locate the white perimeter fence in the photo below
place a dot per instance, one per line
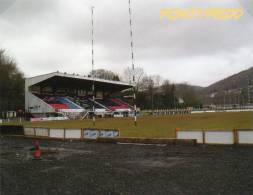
(238, 136)
(63, 133)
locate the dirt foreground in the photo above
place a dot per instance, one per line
(74, 167)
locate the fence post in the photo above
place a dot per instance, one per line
(236, 137)
(203, 137)
(176, 130)
(82, 134)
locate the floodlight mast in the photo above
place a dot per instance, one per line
(132, 58)
(92, 68)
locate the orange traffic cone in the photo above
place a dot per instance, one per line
(37, 152)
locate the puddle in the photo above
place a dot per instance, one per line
(169, 162)
(52, 169)
(59, 153)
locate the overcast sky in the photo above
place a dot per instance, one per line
(48, 35)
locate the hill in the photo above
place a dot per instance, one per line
(236, 81)
(235, 89)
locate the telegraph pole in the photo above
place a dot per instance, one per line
(132, 58)
(92, 68)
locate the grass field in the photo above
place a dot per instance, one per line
(151, 126)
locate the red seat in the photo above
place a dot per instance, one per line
(121, 104)
(59, 106)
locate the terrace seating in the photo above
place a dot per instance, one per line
(60, 102)
(75, 103)
(121, 103)
(114, 104)
(54, 102)
(70, 104)
(85, 102)
(59, 106)
(107, 102)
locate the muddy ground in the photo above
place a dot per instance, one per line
(98, 168)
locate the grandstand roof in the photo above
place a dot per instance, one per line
(58, 79)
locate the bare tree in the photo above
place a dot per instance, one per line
(146, 83)
(138, 74)
(105, 74)
(157, 79)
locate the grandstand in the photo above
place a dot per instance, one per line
(70, 95)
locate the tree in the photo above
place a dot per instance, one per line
(244, 96)
(146, 86)
(137, 73)
(157, 79)
(145, 83)
(105, 74)
(168, 93)
(189, 95)
(11, 84)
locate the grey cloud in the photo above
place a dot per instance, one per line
(46, 35)
(5, 5)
